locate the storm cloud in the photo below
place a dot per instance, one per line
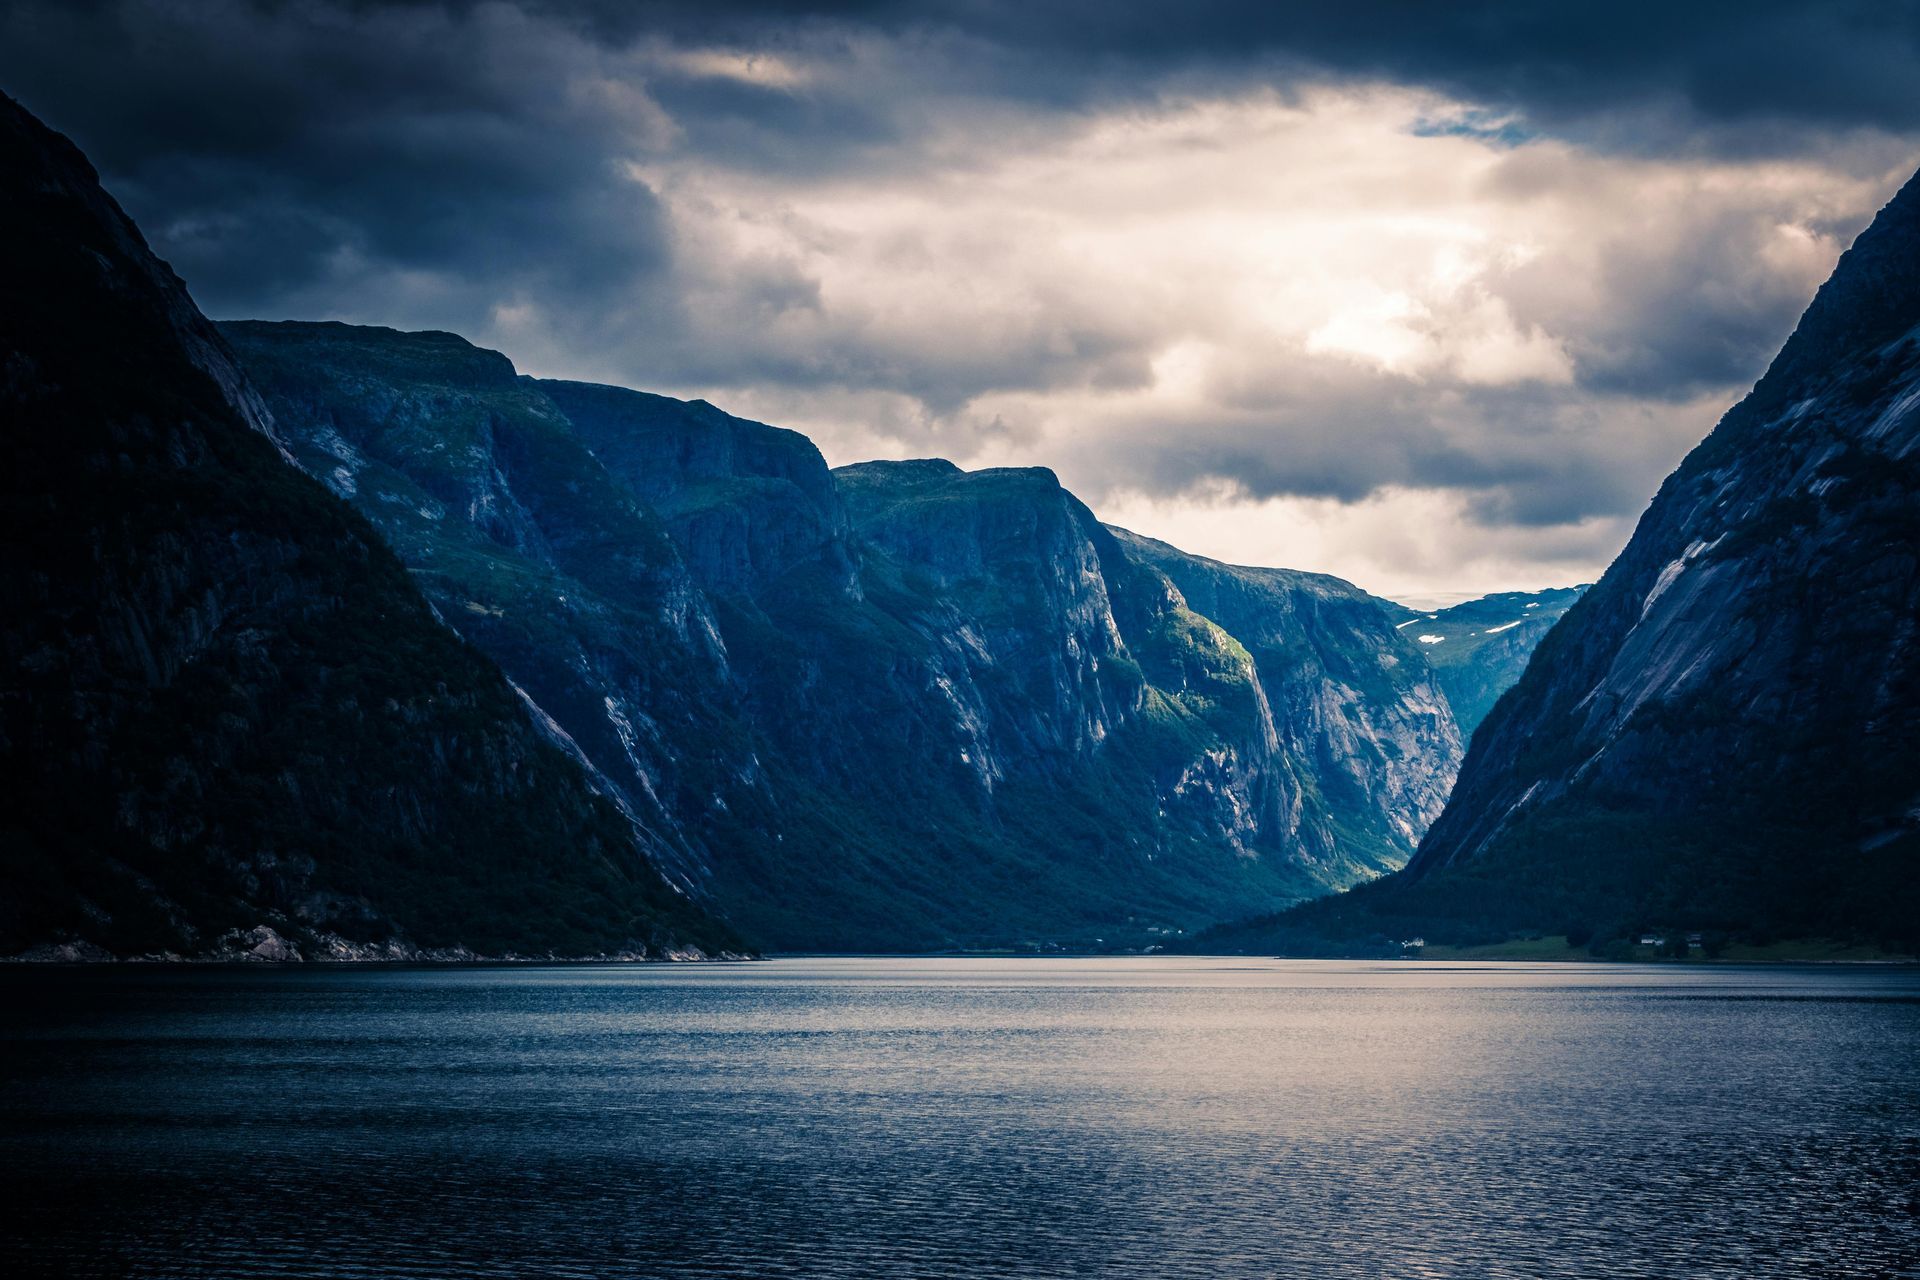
(1426, 295)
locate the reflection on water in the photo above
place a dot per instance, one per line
(928, 1118)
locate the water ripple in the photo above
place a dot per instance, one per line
(889, 1118)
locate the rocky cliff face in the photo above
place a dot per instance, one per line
(898, 705)
(1479, 649)
(1725, 731)
(1018, 606)
(1361, 729)
(527, 546)
(1071, 652)
(230, 723)
(1101, 737)
(747, 503)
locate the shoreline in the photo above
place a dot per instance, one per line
(53, 960)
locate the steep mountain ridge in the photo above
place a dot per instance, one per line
(945, 708)
(231, 724)
(1356, 710)
(527, 546)
(746, 502)
(1758, 632)
(1008, 555)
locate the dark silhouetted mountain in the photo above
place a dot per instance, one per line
(229, 721)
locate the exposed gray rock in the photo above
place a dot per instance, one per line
(1362, 740)
(262, 942)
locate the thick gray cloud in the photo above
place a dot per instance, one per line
(1772, 63)
(1497, 262)
(308, 153)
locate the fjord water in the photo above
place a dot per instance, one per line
(885, 1117)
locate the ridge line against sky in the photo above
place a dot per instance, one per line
(1427, 297)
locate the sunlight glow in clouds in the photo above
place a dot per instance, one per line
(1253, 300)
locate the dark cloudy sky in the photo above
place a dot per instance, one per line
(1429, 295)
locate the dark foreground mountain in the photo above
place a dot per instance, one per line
(899, 705)
(1479, 648)
(1723, 735)
(228, 721)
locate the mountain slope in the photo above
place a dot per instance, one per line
(528, 547)
(747, 503)
(1724, 733)
(931, 708)
(1479, 648)
(1027, 725)
(1357, 713)
(229, 722)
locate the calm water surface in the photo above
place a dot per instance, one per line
(965, 1118)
